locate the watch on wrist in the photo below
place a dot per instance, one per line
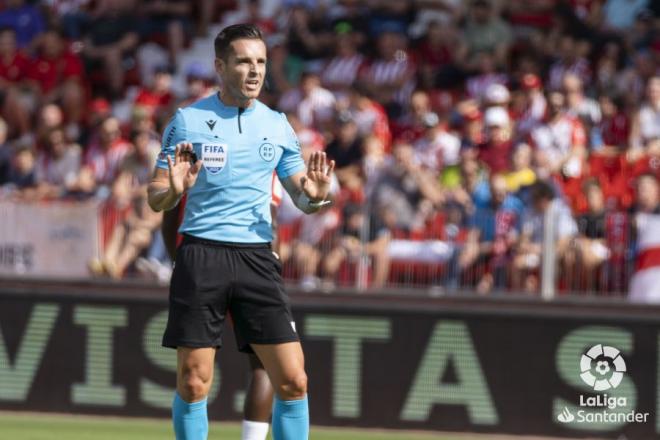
(319, 204)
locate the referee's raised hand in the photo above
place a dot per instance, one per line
(183, 172)
(316, 182)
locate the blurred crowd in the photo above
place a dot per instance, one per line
(456, 127)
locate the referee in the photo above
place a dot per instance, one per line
(221, 151)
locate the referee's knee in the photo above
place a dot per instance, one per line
(293, 387)
(193, 386)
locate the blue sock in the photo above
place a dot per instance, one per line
(190, 419)
(290, 419)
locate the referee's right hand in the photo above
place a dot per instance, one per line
(183, 172)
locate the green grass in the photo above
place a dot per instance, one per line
(34, 426)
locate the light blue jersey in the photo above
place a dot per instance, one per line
(240, 149)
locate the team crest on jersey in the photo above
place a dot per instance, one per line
(267, 151)
(214, 157)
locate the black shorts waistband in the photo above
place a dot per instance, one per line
(189, 239)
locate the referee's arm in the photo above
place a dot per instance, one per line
(309, 189)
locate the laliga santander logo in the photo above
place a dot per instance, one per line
(602, 367)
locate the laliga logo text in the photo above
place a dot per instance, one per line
(602, 368)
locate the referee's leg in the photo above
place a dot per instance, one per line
(285, 364)
(193, 382)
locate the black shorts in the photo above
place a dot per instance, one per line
(212, 278)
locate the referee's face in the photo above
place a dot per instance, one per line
(243, 70)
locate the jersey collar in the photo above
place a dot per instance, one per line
(233, 109)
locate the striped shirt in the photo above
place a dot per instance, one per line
(342, 72)
(386, 72)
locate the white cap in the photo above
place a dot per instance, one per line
(497, 94)
(496, 116)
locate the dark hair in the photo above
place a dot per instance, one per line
(542, 190)
(233, 33)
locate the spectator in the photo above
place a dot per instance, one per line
(561, 141)
(494, 229)
(591, 245)
(306, 38)
(106, 152)
(314, 104)
(571, 60)
(439, 148)
(578, 105)
(390, 77)
(73, 16)
(58, 165)
(348, 246)
(412, 125)
(614, 128)
(346, 150)
(130, 237)
(368, 114)
(496, 95)
(496, 151)
(534, 107)
(374, 162)
(169, 19)
(486, 32)
(25, 19)
(438, 55)
(404, 190)
(469, 185)
(141, 159)
(646, 123)
(522, 174)
(341, 71)
(14, 71)
(110, 41)
(22, 174)
(199, 82)
(158, 98)
(529, 251)
(487, 75)
(645, 283)
(471, 122)
(353, 15)
(59, 74)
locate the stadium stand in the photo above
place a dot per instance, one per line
(455, 126)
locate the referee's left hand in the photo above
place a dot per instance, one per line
(316, 183)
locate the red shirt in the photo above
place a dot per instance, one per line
(17, 69)
(532, 13)
(615, 130)
(153, 100)
(51, 72)
(646, 165)
(613, 174)
(433, 56)
(496, 155)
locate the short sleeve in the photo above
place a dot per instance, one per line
(174, 133)
(291, 161)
